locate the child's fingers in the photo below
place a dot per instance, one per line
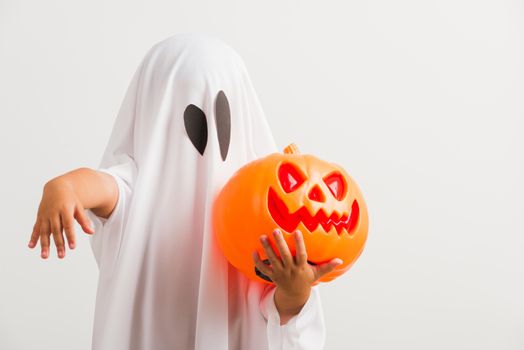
(285, 254)
(44, 239)
(265, 269)
(68, 225)
(82, 219)
(35, 235)
(301, 253)
(273, 258)
(58, 238)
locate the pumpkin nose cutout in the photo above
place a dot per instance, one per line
(316, 194)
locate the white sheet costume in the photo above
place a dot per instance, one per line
(163, 283)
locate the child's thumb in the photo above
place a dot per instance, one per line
(328, 267)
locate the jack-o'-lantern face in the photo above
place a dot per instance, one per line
(317, 199)
(291, 191)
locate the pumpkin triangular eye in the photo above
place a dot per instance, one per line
(290, 177)
(336, 184)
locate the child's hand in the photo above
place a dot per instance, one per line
(58, 209)
(293, 276)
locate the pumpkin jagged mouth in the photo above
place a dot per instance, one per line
(289, 221)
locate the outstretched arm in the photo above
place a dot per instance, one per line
(64, 199)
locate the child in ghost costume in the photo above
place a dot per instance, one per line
(189, 120)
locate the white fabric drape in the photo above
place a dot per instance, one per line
(163, 282)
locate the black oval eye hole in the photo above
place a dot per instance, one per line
(196, 127)
(223, 122)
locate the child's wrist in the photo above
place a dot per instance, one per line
(291, 302)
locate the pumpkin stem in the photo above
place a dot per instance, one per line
(291, 149)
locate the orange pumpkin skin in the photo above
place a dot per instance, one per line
(291, 191)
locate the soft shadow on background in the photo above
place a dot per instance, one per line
(421, 101)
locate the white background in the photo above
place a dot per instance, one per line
(421, 101)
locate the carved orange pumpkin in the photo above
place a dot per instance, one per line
(291, 191)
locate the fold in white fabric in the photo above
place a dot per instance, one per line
(163, 283)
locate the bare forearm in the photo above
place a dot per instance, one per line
(289, 305)
(96, 190)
